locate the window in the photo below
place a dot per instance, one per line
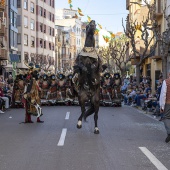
(41, 27)
(50, 46)
(18, 3)
(18, 20)
(44, 28)
(26, 4)
(11, 17)
(25, 39)
(52, 3)
(26, 58)
(44, 44)
(25, 22)
(32, 7)
(44, 13)
(41, 11)
(18, 38)
(32, 24)
(41, 43)
(49, 30)
(15, 20)
(50, 16)
(32, 41)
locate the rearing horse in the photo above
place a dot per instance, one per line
(87, 72)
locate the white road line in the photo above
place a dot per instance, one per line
(62, 137)
(153, 159)
(67, 115)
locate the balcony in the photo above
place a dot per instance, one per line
(2, 30)
(3, 54)
(127, 4)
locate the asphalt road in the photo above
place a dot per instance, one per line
(128, 140)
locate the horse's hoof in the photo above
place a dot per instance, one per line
(96, 131)
(79, 124)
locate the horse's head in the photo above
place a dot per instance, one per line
(90, 28)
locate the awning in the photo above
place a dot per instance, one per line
(14, 58)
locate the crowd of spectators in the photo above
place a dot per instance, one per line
(141, 95)
(6, 88)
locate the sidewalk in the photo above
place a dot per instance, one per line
(147, 112)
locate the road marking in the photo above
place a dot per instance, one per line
(67, 115)
(153, 159)
(62, 137)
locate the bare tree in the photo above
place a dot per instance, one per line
(144, 47)
(118, 52)
(104, 52)
(164, 41)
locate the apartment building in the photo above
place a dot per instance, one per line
(65, 48)
(36, 32)
(3, 36)
(66, 17)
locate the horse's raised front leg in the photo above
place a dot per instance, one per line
(79, 124)
(96, 129)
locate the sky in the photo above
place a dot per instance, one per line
(108, 13)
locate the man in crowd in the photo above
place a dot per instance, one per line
(164, 102)
(6, 99)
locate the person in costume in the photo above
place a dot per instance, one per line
(164, 102)
(31, 96)
(61, 88)
(116, 92)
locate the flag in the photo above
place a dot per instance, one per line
(69, 1)
(81, 14)
(89, 19)
(71, 6)
(79, 10)
(96, 32)
(112, 35)
(106, 38)
(100, 26)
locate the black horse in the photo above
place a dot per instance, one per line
(87, 71)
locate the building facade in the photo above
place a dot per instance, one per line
(36, 33)
(70, 29)
(3, 36)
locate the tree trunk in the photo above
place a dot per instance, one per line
(138, 74)
(164, 67)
